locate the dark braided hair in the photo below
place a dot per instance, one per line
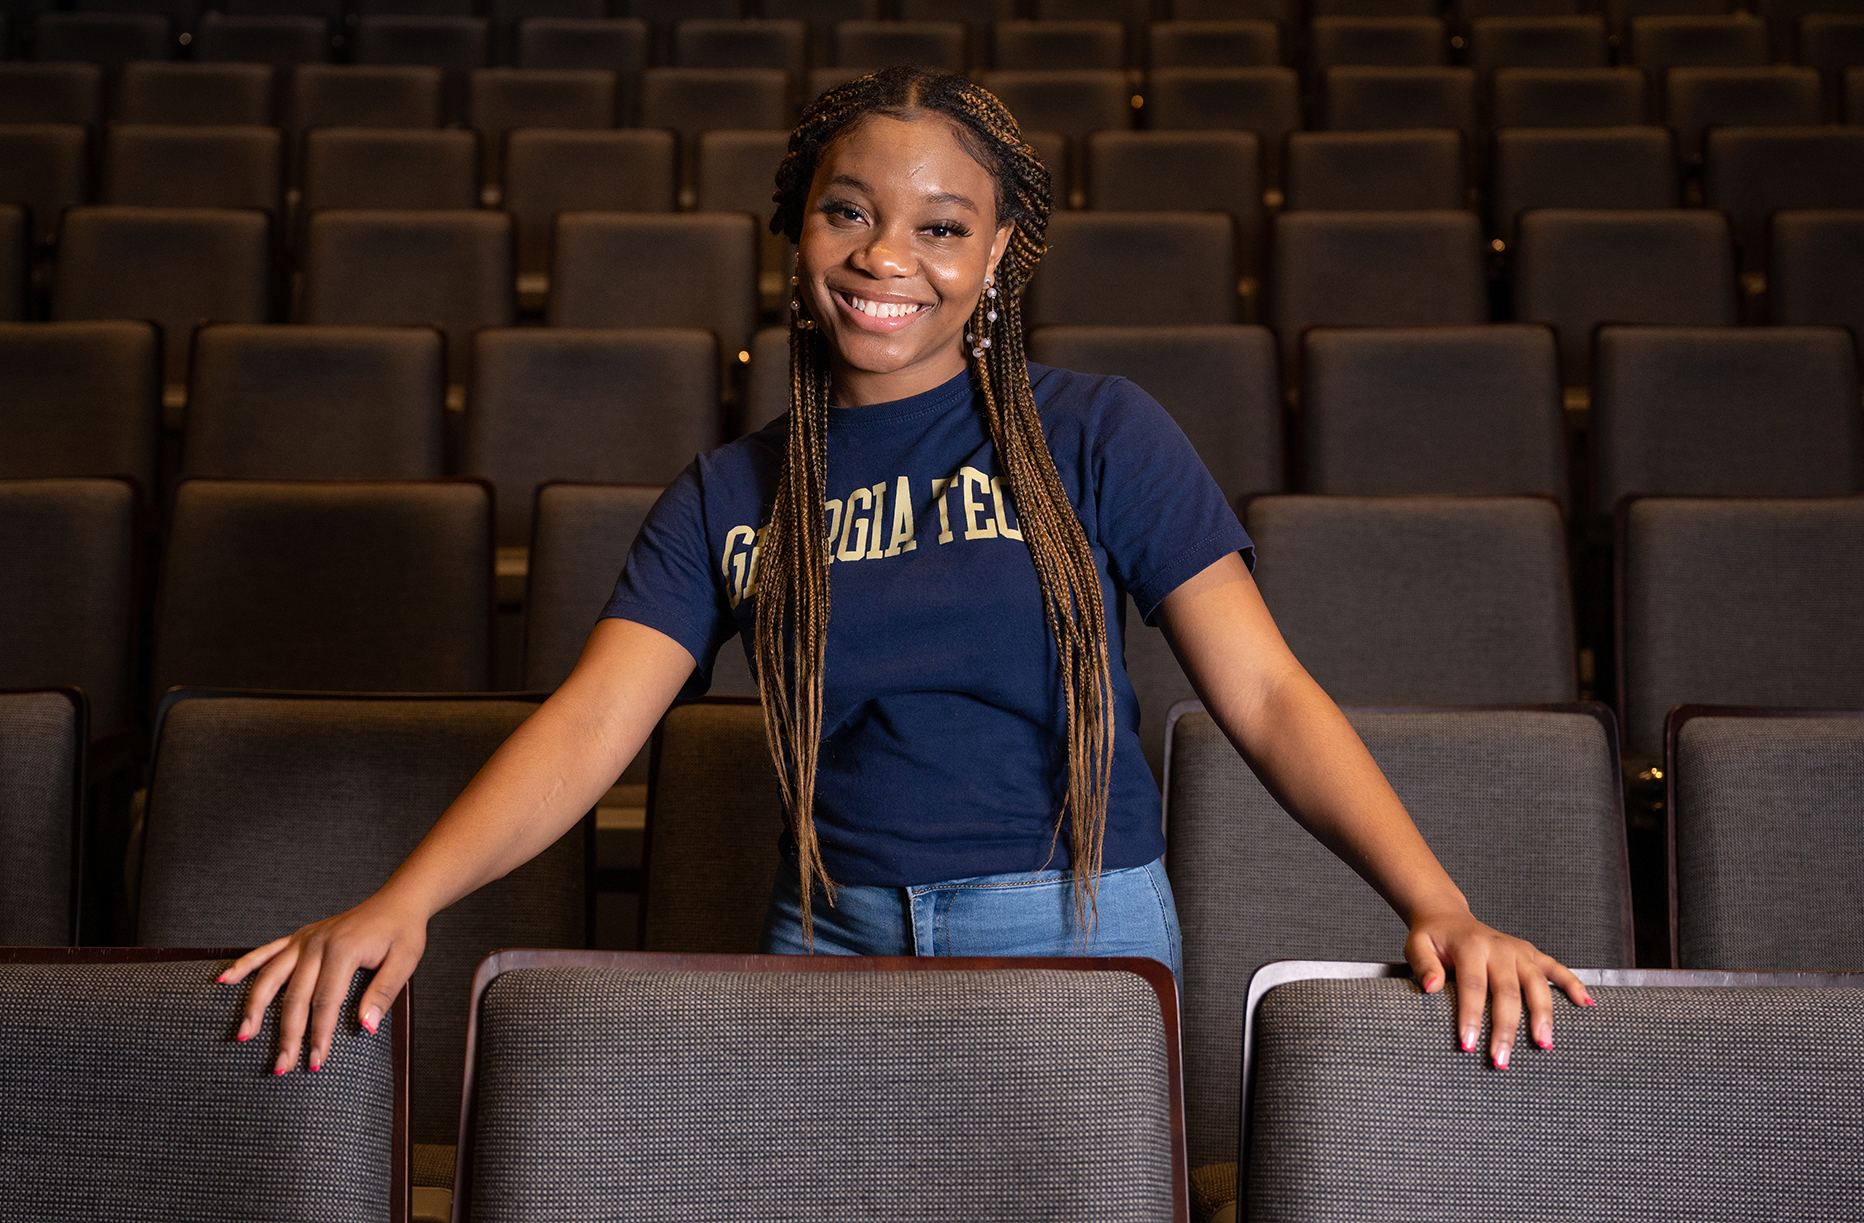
(792, 612)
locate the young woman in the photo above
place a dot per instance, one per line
(954, 730)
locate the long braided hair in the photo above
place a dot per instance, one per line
(793, 607)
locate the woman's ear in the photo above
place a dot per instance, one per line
(998, 245)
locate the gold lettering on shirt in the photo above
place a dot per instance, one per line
(944, 514)
(902, 540)
(880, 508)
(736, 565)
(850, 521)
(833, 509)
(968, 478)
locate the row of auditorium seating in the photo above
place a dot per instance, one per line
(238, 778)
(388, 586)
(1574, 269)
(1064, 1104)
(1547, 34)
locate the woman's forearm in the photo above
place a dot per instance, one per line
(550, 771)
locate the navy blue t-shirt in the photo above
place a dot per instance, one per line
(944, 751)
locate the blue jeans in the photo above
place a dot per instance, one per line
(1029, 914)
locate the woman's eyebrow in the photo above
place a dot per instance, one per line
(951, 197)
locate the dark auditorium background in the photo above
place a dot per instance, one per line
(344, 345)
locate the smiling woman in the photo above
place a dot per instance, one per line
(958, 741)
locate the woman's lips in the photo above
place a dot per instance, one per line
(870, 315)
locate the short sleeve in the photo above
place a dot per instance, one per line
(1162, 519)
(667, 582)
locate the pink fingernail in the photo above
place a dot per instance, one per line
(278, 1070)
(243, 1037)
(221, 979)
(1501, 1060)
(1587, 1002)
(1469, 1043)
(1544, 1043)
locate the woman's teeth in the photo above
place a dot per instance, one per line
(883, 309)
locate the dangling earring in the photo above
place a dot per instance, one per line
(990, 316)
(796, 308)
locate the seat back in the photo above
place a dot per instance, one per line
(366, 95)
(42, 739)
(617, 45)
(1465, 410)
(1374, 269)
(500, 100)
(1578, 268)
(1073, 102)
(1601, 167)
(453, 43)
(1253, 886)
(1421, 600)
(625, 407)
(281, 41)
(185, 1116)
(1816, 273)
(46, 168)
(1132, 268)
(1344, 1058)
(714, 813)
(194, 167)
(1737, 602)
(174, 266)
(80, 399)
(68, 92)
(687, 101)
(1376, 98)
(1571, 41)
(548, 171)
(1241, 43)
(327, 586)
(69, 614)
(580, 536)
(1719, 412)
(879, 44)
(1752, 172)
(1568, 97)
(1384, 171)
(449, 269)
(1765, 839)
(240, 781)
(15, 238)
(616, 269)
(738, 43)
(363, 167)
(151, 92)
(316, 403)
(1413, 41)
(1047, 46)
(767, 387)
(108, 40)
(1726, 40)
(1060, 1106)
(1775, 95)
(1195, 171)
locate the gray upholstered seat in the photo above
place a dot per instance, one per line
(15, 259)
(1775, 95)
(502, 100)
(371, 586)
(454, 43)
(175, 266)
(1421, 600)
(1659, 42)
(1465, 410)
(644, 269)
(42, 739)
(1568, 97)
(1252, 886)
(714, 812)
(556, 403)
(1769, 842)
(867, 44)
(1383, 41)
(68, 612)
(1550, 41)
(268, 812)
(1056, 46)
(1196, 171)
(797, 1088)
(283, 41)
(1380, 171)
(128, 1098)
(80, 399)
(153, 92)
(1136, 268)
(1738, 602)
(1372, 97)
(606, 44)
(1817, 268)
(737, 43)
(550, 171)
(580, 536)
(688, 101)
(1578, 268)
(317, 403)
(1374, 269)
(369, 167)
(447, 268)
(62, 92)
(365, 95)
(736, 173)
(1751, 173)
(1725, 412)
(1666, 1100)
(44, 167)
(767, 386)
(107, 39)
(1243, 42)
(1074, 102)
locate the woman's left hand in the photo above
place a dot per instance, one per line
(1490, 964)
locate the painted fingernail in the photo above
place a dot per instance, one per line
(221, 979)
(370, 1018)
(1545, 1042)
(1469, 1041)
(243, 1036)
(316, 1066)
(278, 1070)
(1501, 1059)
(1587, 1002)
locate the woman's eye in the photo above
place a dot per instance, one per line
(947, 231)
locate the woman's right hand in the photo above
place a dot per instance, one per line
(315, 966)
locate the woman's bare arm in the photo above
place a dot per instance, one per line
(1306, 753)
(543, 779)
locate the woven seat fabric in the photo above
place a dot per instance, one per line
(1817, 267)
(1658, 1103)
(40, 738)
(1568, 97)
(45, 167)
(80, 399)
(1252, 886)
(193, 166)
(365, 95)
(1601, 167)
(127, 1098)
(580, 538)
(1739, 602)
(1127, 268)
(1016, 1094)
(1378, 170)
(1769, 842)
(61, 93)
(154, 92)
(282, 41)
(287, 811)
(66, 614)
(1421, 600)
(631, 270)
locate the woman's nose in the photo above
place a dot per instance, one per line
(886, 254)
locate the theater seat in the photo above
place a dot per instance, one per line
(42, 740)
